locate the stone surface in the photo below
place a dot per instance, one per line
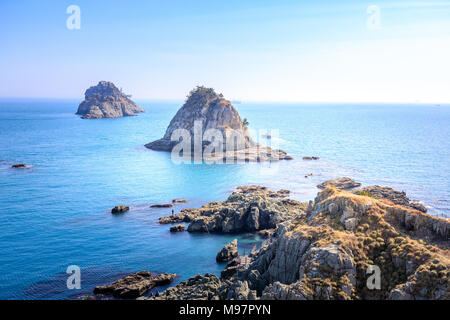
(397, 197)
(105, 100)
(119, 209)
(177, 228)
(228, 252)
(340, 183)
(134, 285)
(213, 111)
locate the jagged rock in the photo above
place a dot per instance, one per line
(177, 228)
(340, 183)
(119, 209)
(396, 197)
(200, 287)
(247, 210)
(135, 285)
(105, 100)
(212, 111)
(162, 205)
(228, 253)
(18, 166)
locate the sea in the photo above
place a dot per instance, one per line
(56, 213)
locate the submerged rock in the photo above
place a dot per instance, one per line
(135, 285)
(344, 183)
(105, 100)
(209, 112)
(120, 209)
(228, 253)
(162, 205)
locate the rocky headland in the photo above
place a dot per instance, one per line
(105, 100)
(214, 112)
(327, 249)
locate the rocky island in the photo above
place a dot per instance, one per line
(327, 249)
(105, 100)
(215, 114)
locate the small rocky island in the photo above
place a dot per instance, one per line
(213, 111)
(105, 100)
(326, 249)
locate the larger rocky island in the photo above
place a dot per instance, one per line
(213, 111)
(325, 249)
(105, 100)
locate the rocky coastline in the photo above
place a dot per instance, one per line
(323, 249)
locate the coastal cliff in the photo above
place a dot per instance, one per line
(105, 100)
(213, 112)
(329, 250)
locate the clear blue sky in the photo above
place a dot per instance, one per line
(277, 50)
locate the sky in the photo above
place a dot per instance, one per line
(280, 50)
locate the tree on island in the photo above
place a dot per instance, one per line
(245, 122)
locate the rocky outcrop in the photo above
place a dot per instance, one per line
(397, 197)
(119, 209)
(330, 253)
(134, 285)
(105, 100)
(228, 252)
(200, 287)
(177, 228)
(249, 209)
(344, 183)
(207, 113)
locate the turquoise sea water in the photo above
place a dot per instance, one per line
(56, 213)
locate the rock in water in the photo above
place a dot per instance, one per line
(177, 228)
(340, 183)
(119, 209)
(18, 166)
(228, 253)
(105, 100)
(205, 112)
(135, 285)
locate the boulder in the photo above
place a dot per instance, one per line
(344, 183)
(177, 228)
(105, 100)
(135, 285)
(228, 253)
(119, 209)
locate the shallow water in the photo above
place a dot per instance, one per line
(56, 213)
